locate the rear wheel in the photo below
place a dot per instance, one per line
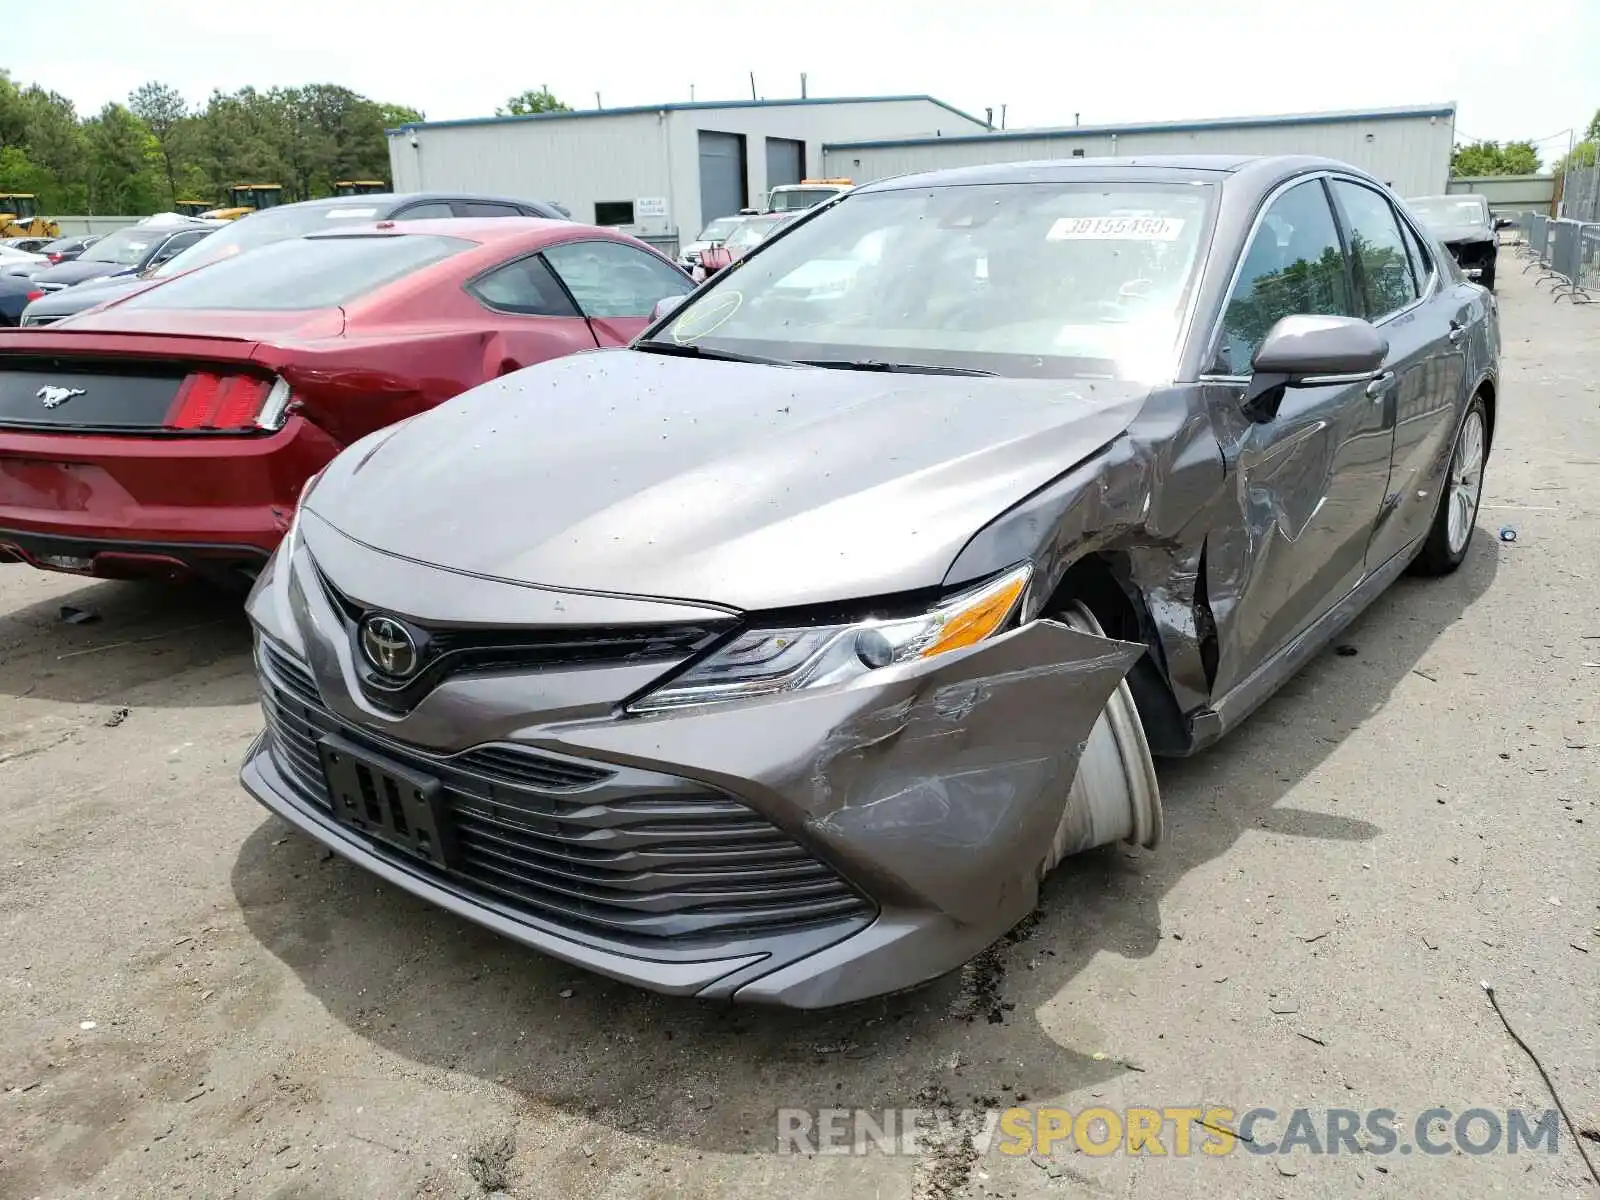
(1115, 796)
(1457, 515)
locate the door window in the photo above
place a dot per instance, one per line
(1295, 265)
(609, 279)
(421, 212)
(525, 286)
(1421, 259)
(177, 244)
(483, 208)
(1383, 268)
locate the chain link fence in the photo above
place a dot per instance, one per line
(1580, 194)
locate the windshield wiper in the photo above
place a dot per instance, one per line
(872, 364)
(684, 350)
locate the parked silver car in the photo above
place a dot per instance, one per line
(779, 656)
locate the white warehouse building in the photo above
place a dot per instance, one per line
(658, 171)
(1408, 148)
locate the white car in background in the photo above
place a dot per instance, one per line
(17, 262)
(713, 234)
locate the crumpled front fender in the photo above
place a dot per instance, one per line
(936, 785)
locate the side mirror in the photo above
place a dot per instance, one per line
(1504, 223)
(665, 307)
(1302, 351)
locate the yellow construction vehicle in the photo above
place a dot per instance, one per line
(246, 198)
(359, 187)
(193, 208)
(19, 217)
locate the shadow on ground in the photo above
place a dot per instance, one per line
(441, 992)
(147, 636)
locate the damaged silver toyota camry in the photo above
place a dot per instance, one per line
(778, 656)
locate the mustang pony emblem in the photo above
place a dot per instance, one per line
(55, 397)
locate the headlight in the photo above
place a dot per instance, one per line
(765, 662)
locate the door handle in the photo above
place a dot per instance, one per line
(1380, 385)
(1457, 331)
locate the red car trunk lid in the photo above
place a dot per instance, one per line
(212, 374)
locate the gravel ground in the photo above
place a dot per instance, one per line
(194, 1000)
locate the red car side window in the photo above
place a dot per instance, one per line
(524, 286)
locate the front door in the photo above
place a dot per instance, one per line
(1310, 481)
(615, 286)
(1424, 320)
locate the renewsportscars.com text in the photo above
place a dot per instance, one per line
(1170, 1130)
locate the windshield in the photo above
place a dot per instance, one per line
(1035, 279)
(1441, 211)
(753, 232)
(304, 273)
(125, 247)
(799, 199)
(719, 229)
(262, 229)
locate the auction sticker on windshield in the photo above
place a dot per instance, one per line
(1115, 229)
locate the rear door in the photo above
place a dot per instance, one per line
(1403, 294)
(540, 319)
(615, 285)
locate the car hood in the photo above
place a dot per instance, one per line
(93, 292)
(750, 486)
(1462, 233)
(77, 271)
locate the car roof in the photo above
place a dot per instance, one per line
(393, 200)
(1152, 168)
(483, 230)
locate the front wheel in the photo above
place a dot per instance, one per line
(1457, 514)
(1486, 279)
(1114, 796)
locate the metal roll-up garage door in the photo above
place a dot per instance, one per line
(722, 175)
(786, 161)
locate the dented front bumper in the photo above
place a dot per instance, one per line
(931, 790)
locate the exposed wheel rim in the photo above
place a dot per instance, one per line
(1466, 482)
(1115, 795)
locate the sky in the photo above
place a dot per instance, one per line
(1513, 72)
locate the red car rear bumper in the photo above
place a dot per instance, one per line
(164, 506)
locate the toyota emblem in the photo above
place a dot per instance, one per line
(389, 647)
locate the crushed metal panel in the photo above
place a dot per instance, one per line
(937, 785)
(1151, 495)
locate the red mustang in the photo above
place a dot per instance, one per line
(171, 433)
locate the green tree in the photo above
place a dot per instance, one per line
(55, 142)
(1491, 158)
(137, 158)
(1585, 153)
(396, 115)
(166, 115)
(534, 100)
(124, 163)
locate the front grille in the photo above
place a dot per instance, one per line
(448, 651)
(614, 851)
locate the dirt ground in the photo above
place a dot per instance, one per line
(196, 1001)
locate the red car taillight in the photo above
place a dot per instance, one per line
(207, 400)
(54, 258)
(35, 295)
